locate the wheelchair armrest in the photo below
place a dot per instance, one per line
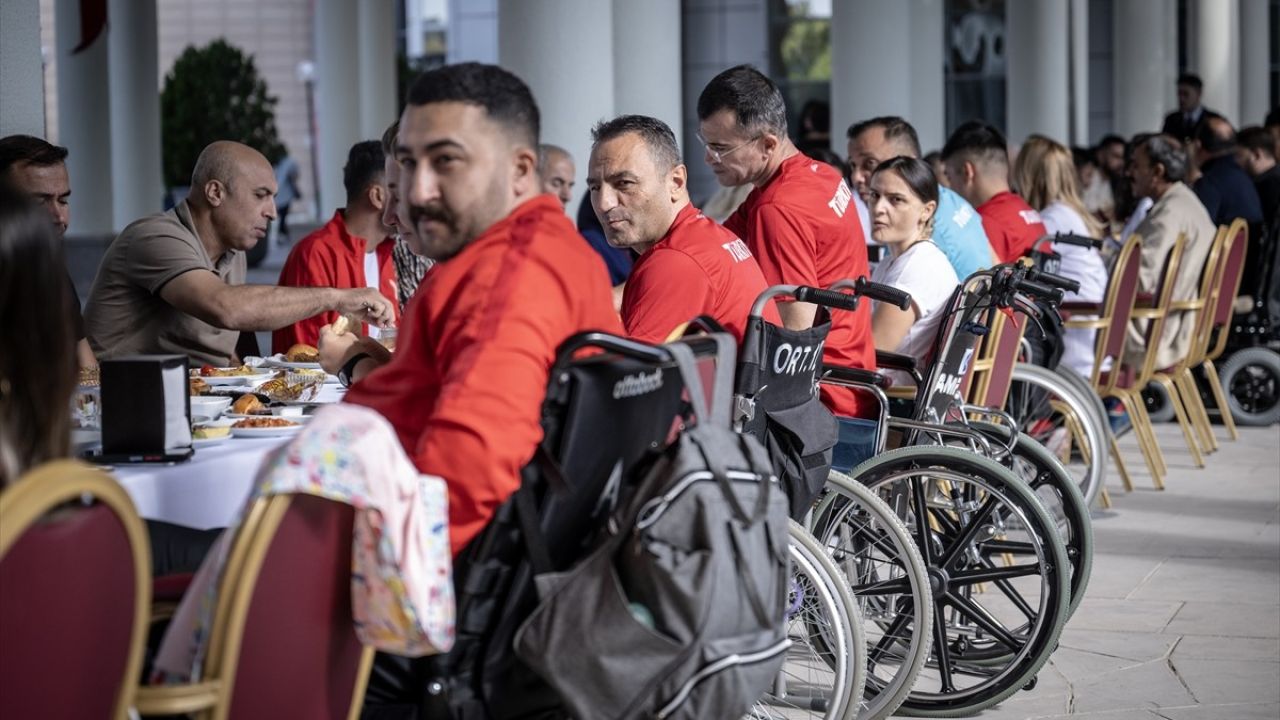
(895, 361)
(856, 375)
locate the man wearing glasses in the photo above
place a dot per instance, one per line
(799, 222)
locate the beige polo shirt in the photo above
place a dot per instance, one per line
(125, 314)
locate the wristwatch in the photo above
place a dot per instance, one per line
(344, 375)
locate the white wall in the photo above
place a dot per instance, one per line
(21, 74)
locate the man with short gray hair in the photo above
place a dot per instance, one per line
(1158, 168)
(689, 265)
(556, 168)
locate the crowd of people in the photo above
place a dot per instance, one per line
(455, 232)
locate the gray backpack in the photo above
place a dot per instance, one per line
(679, 612)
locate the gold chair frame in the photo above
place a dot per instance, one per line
(210, 698)
(56, 483)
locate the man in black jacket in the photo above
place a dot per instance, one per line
(1190, 115)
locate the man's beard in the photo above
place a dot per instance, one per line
(458, 230)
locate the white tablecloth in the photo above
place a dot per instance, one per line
(206, 491)
(209, 489)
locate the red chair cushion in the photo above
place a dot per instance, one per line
(170, 588)
(300, 651)
(67, 599)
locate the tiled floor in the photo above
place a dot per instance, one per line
(1182, 616)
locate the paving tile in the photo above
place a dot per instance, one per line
(1207, 647)
(1141, 687)
(1118, 575)
(1250, 581)
(1266, 711)
(1081, 665)
(1124, 615)
(1225, 619)
(1216, 682)
(1104, 715)
(1137, 647)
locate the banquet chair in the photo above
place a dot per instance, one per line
(282, 642)
(1111, 321)
(74, 591)
(1178, 378)
(1220, 315)
(1125, 382)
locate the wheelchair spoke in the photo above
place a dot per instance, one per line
(941, 650)
(896, 586)
(922, 521)
(992, 574)
(1011, 547)
(975, 525)
(983, 619)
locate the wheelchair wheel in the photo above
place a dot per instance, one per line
(1251, 379)
(875, 550)
(1041, 471)
(825, 667)
(998, 570)
(1156, 398)
(1064, 419)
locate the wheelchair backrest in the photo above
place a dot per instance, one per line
(953, 355)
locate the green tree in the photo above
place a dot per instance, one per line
(214, 93)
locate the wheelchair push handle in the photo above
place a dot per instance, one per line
(883, 293)
(1066, 284)
(1048, 293)
(1077, 240)
(828, 298)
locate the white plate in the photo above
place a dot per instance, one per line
(279, 361)
(254, 379)
(210, 406)
(266, 432)
(204, 442)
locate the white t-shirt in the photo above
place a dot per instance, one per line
(924, 272)
(1086, 266)
(372, 279)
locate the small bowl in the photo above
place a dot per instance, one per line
(210, 406)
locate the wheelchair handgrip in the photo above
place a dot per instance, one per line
(1078, 240)
(828, 298)
(883, 293)
(1044, 292)
(1058, 281)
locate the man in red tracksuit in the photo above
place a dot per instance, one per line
(352, 250)
(513, 281)
(689, 265)
(976, 161)
(799, 222)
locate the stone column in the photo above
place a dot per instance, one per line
(84, 123)
(1038, 88)
(563, 50)
(646, 61)
(1079, 59)
(872, 43)
(1254, 61)
(133, 46)
(338, 97)
(377, 49)
(21, 69)
(928, 83)
(1215, 57)
(1141, 65)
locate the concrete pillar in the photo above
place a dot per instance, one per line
(1039, 56)
(1215, 57)
(21, 69)
(928, 88)
(338, 97)
(649, 30)
(84, 123)
(1079, 63)
(1254, 59)
(377, 50)
(137, 182)
(1140, 59)
(563, 50)
(870, 71)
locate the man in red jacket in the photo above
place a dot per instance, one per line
(352, 250)
(689, 265)
(976, 161)
(513, 281)
(799, 222)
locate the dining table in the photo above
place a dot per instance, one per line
(208, 490)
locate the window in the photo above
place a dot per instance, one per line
(800, 56)
(975, 62)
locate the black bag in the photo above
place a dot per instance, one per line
(778, 403)
(680, 612)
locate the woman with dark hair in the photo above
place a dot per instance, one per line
(38, 365)
(903, 200)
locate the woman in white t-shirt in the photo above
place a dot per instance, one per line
(903, 200)
(1045, 175)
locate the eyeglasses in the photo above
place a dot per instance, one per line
(718, 156)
